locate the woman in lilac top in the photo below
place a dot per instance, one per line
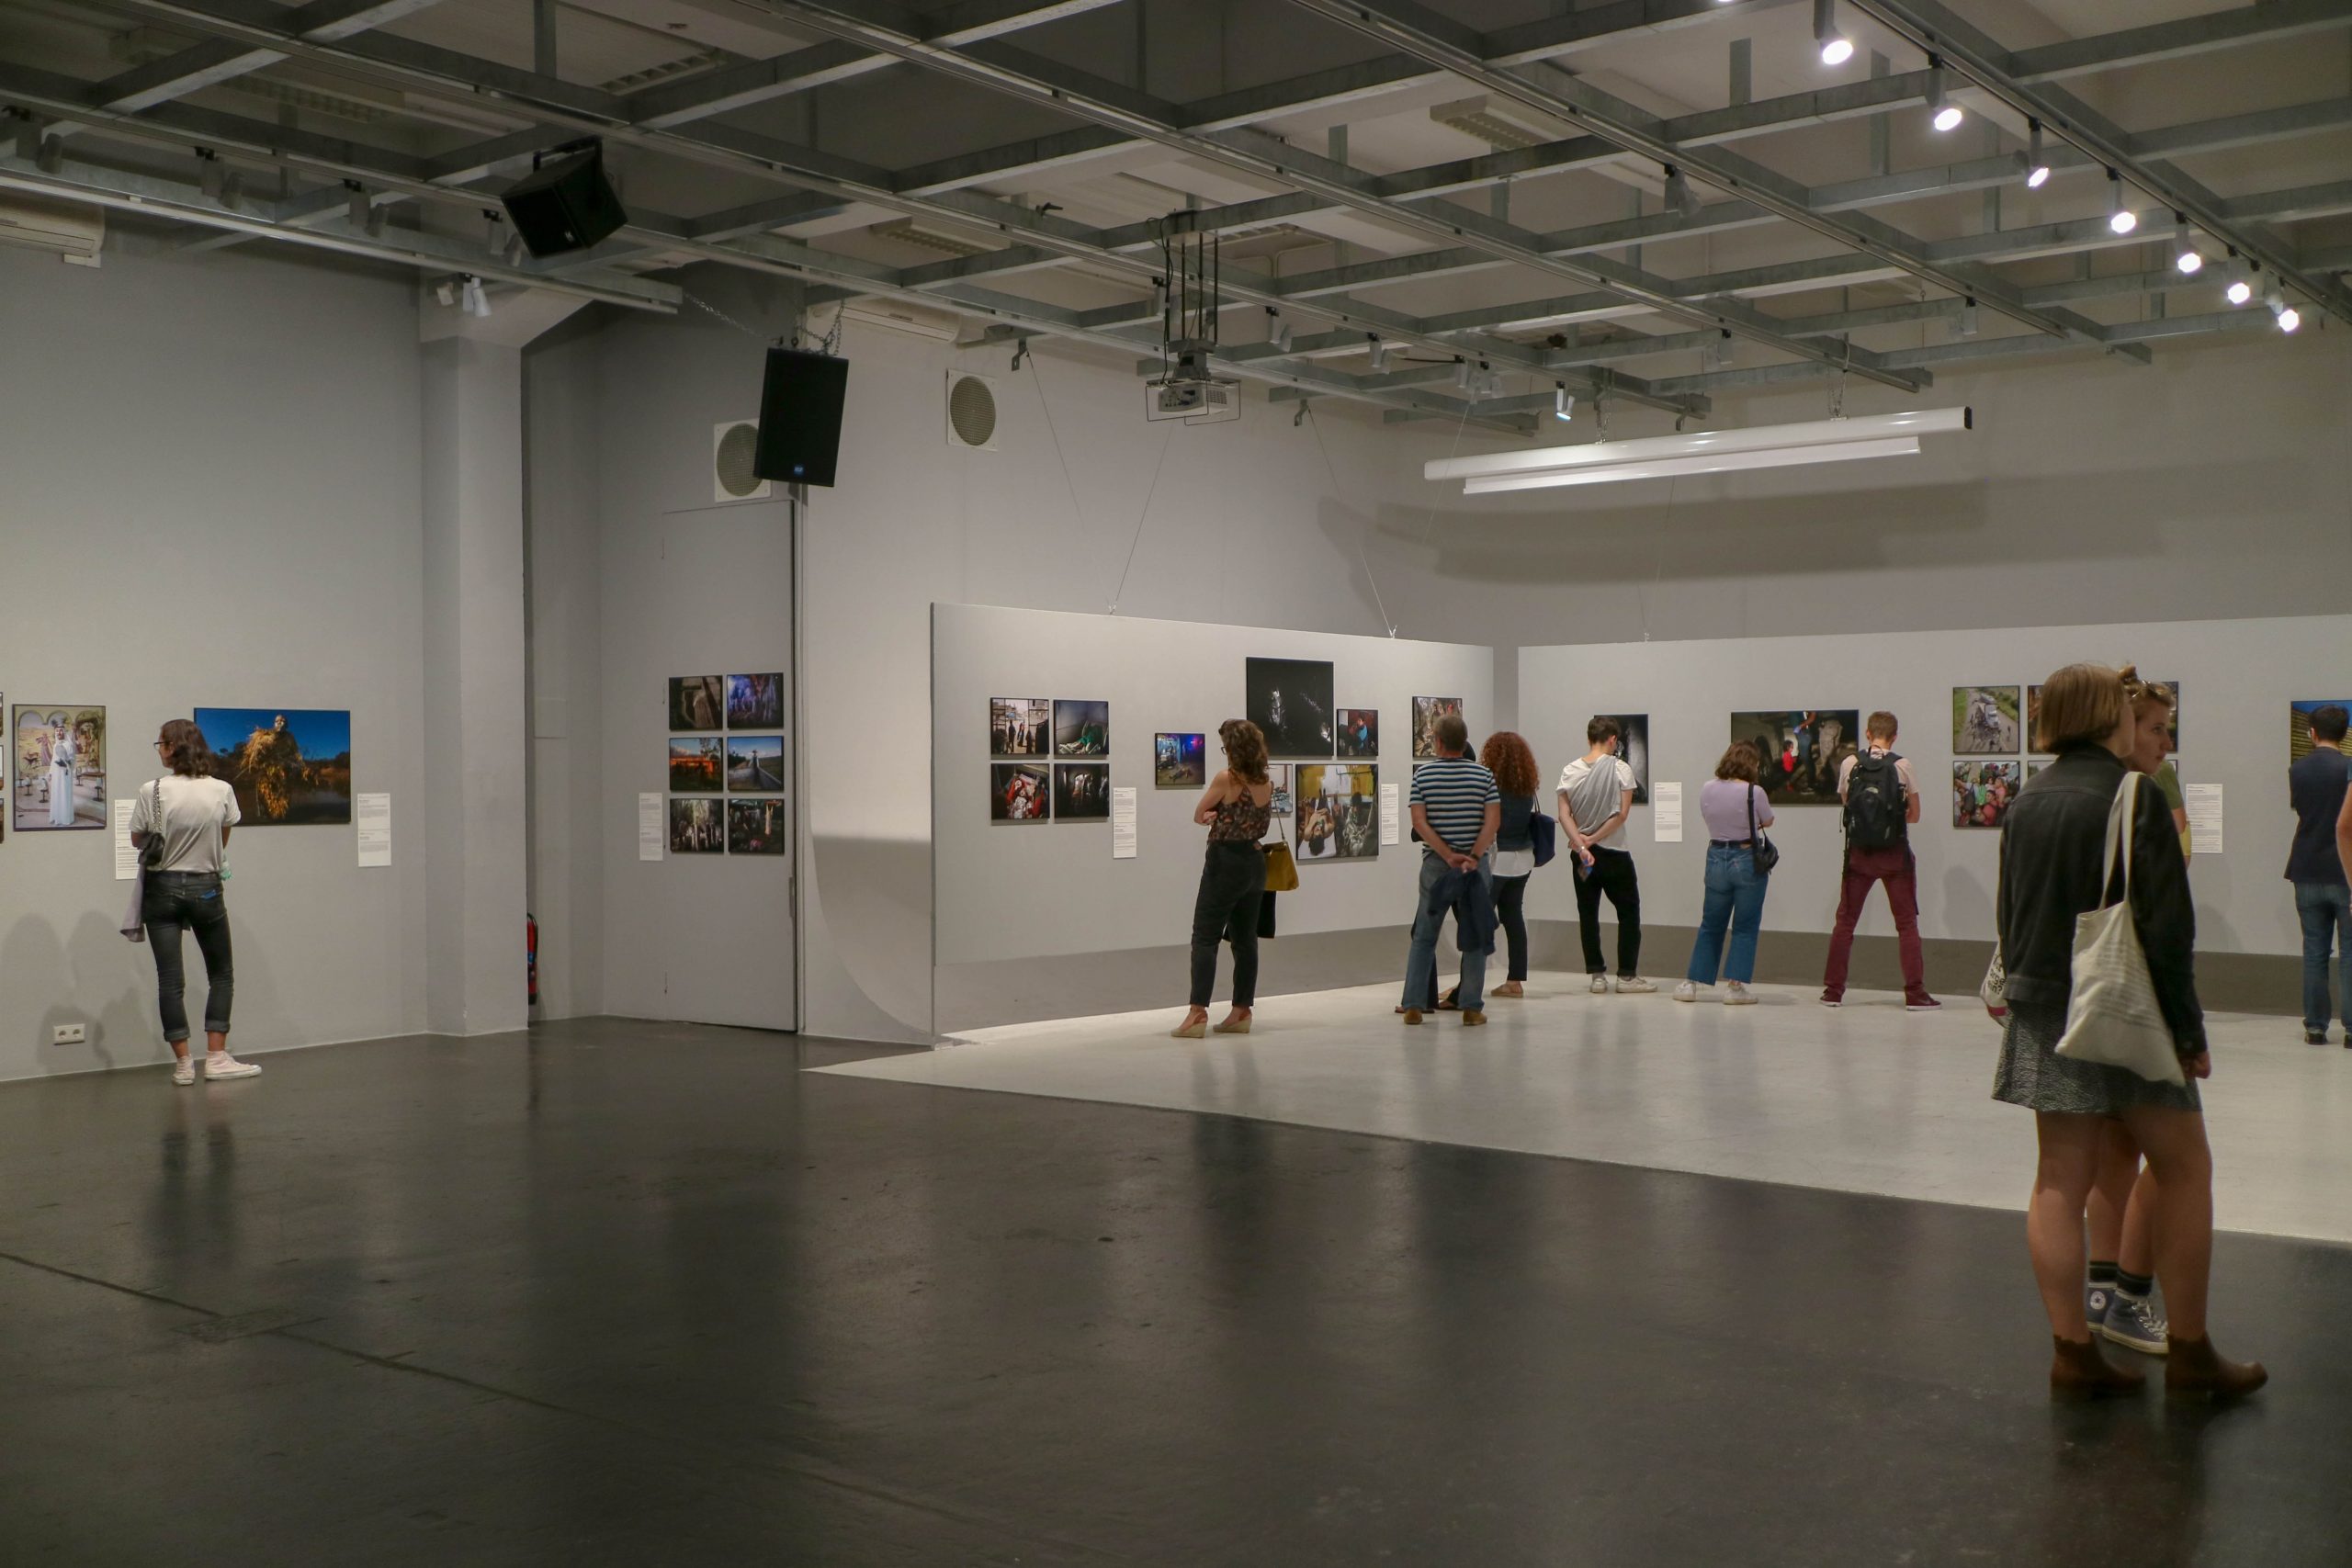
(1736, 812)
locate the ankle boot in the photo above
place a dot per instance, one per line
(2079, 1368)
(2192, 1367)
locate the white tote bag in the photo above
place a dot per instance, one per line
(2112, 1016)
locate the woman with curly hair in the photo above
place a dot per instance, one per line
(1508, 756)
(1234, 809)
(1736, 811)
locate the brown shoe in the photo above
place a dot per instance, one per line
(2194, 1369)
(1412, 1015)
(1473, 1018)
(2080, 1371)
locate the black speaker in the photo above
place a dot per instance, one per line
(565, 204)
(800, 417)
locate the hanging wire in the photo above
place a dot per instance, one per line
(699, 303)
(1037, 374)
(1362, 557)
(1165, 442)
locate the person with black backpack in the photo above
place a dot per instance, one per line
(1882, 801)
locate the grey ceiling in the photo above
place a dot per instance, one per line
(1478, 184)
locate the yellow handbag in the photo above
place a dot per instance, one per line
(1281, 871)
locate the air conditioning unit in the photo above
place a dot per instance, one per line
(971, 411)
(67, 229)
(733, 445)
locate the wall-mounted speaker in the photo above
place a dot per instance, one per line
(734, 450)
(800, 416)
(971, 411)
(565, 203)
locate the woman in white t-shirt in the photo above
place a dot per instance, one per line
(191, 812)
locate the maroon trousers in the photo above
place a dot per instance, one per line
(1865, 868)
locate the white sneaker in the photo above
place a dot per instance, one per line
(220, 1065)
(1737, 995)
(184, 1071)
(1687, 992)
(1599, 987)
(1632, 983)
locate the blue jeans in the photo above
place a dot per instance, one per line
(1420, 964)
(178, 901)
(1735, 898)
(2326, 910)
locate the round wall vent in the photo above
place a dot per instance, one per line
(971, 411)
(738, 445)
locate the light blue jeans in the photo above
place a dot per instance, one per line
(1420, 964)
(1735, 898)
(2327, 912)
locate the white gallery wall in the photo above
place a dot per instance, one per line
(2237, 678)
(1007, 891)
(210, 492)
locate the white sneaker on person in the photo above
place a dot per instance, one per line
(184, 1071)
(1599, 987)
(1688, 991)
(218, 1064)
(1632, 983)
(1737, 995)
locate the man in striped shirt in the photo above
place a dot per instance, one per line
(1457, 810)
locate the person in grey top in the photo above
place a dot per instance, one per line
(189, 812)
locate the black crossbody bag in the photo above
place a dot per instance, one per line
(1766, 853)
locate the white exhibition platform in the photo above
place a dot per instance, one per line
(1863, 1099)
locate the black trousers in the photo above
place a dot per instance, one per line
(186, 900)
(1612, 872)
(1511, 909)
(1233, 884)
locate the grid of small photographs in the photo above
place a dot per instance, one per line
(727, 765)
(1057, 786)
(1988, 732)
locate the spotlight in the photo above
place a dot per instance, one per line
(1967, 317)
(1942, 113)
(2185, 253)
(2241, 288)
(1460, 374)
(1679, 194)
(2288, 318)
(1836, 46)
(2036, 168)
(1279, 333)
(446, 291)
(1379, 356)
(1563, 407)
(2119, 218)
(477, 303)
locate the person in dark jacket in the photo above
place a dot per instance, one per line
(2053, 870)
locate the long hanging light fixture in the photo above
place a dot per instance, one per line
(1701, 452)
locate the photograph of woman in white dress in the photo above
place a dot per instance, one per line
(61, 768)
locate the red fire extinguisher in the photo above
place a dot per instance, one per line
(533, 960)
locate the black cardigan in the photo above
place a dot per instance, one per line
(2051, 872)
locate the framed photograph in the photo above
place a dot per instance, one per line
(2298, 723)
(1803, 750)
(290, 767)
(698, 702)
(1633, 745)
(1982, 793)
(1179, 760)
(1359, 732)
(1290, 702)
(1278, 774)
(60, 767)
(1339, 812)
(696, 827)
(1986, 721)
(758, 827)
(694, 764)
(1080, 728)
(2033, 720)
(1427, 711)
(755, 702)
(1020, 792)
(1082, 792)
(754, 764)
(1020, 727)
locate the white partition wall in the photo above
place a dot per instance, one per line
(1014, 891)
(2237, 678)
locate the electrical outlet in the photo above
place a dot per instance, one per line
(68, 1034)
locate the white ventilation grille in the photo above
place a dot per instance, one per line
(733, 445)
(971, 411)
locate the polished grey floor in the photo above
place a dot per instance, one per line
(628, 1293)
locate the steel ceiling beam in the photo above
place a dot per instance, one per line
(215, 61)
(1972, 54)
(1001, 69)
(1458, 48)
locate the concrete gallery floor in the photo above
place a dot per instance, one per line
(620, 1293)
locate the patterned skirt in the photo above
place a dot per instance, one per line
(2033, 1075)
